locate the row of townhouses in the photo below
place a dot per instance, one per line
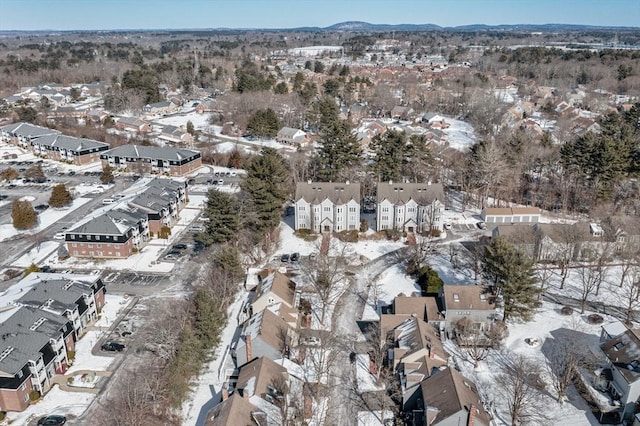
(264, 354)
(335, 207)
(433, 391)
(39, 329)
(52, 144)
(128, 225)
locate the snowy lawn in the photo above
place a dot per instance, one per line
(37, 254)
(545, 325)
(366, 381)
(45, 219)
(55, 401)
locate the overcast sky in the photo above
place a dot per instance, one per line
(150, 14)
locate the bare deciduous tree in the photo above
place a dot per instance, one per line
(520, 387)
(563, 360)
(472, 339)
(590, 279)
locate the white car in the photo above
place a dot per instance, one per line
(447, 226)
(59, 236)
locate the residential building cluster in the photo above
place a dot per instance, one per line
(42, 318)
(122, 229)
(49, 143)
(402, 206)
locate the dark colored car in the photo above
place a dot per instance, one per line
(174, 253)
(113, 347)
(41, 207)
(52, 420)
(295, 257)
(179, 246)
(284, 258)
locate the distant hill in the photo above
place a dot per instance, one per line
(365, 26)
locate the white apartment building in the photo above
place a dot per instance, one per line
(327, 206)
(410, 207)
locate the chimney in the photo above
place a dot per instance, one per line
(472, 415)
(245, 394)
(225, 391)
(432, 353)
(309, 181)
(249, 348)
(347, 182)
(390, 182)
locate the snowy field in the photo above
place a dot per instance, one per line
(37, 254)
(200, 121)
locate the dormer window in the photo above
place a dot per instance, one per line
(456, 297)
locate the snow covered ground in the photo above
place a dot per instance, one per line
(200, 121)
(37, 254)
(45, 219)
(460, 135)
(544, 326)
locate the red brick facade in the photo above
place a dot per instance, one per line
(101, 250)
(16, 399)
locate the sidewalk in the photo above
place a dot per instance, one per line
(61, 381)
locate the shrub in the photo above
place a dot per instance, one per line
(348, 236)
(3, 414)
(595, 319)
(392, 234)
(134, 250)
(11, 273)
(71, 355)
(69, 380)
(34, 395)
(566, 310)
(429, 280)
(364, 226)
(164, 233)
(31, 268)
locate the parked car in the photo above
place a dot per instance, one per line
(52, 420)
(482, 225)
(447, 226)
(113, 347)
(179, 246)
(295, 257)
(174, 253)
(41, 207)
(284, 258)
(59, 236)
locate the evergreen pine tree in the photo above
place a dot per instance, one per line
(339, 150)
(266, 186)
(263, 123)
(23, 215)
(389, 152)
(222, 210)
(107, 174)
(60, 196)
(511, 271)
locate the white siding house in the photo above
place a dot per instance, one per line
(411, 207)
(327, 206)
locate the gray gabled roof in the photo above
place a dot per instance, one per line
(401, 193)
(337, 192)
(56, 294)
(24, 334)
(102, 225)
(71, 143)
(152, 152)
(28, 130)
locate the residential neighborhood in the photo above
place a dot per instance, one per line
(360, 225)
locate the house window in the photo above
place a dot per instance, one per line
(411, 209)
(23, 386)
(25, 398)
(327, 209)
(20, 374)
(301, 208)
(339, 210)
(385, 209)
(384, 218)
(352, 209)
(456, 297)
